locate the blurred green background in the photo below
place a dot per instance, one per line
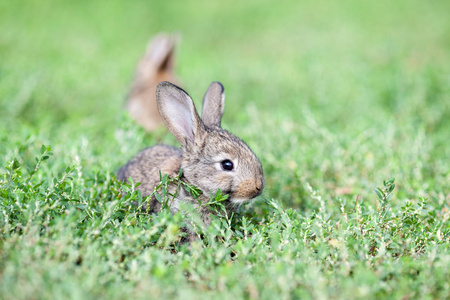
(337, 95)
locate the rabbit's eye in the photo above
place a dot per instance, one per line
(227, 165)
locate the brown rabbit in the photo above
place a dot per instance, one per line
(211, 158)
(157, 65)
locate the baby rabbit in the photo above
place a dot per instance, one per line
(211, 158)
(157, 65)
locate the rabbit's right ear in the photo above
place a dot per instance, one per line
(213, 105)
(179, 114)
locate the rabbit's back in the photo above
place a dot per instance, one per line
(145, 166)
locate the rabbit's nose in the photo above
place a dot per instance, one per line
(249, 189)
(259, 184)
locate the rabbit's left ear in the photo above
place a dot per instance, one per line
(160, 53)
(213, 105)
(179, 114)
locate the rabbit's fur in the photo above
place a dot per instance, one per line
(157, 65)
(204, 148)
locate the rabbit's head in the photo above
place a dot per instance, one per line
(213, 158)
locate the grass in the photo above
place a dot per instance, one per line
(336, 98)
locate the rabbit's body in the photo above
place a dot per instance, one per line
(147, 164)
(211, 158)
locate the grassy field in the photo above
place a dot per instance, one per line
(335, 97)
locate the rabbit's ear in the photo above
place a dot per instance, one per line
(178, 113)
(213, 105)
(159, 55)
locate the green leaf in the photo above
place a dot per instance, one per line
(391, 188)
(158, 197)
(390, 181)
(379, 193)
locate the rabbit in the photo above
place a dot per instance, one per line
(157, 65)
(211, 158)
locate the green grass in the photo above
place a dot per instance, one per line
(335, 97)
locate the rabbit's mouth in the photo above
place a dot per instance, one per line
(234, 199)
(240, 200)
(237, 202)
